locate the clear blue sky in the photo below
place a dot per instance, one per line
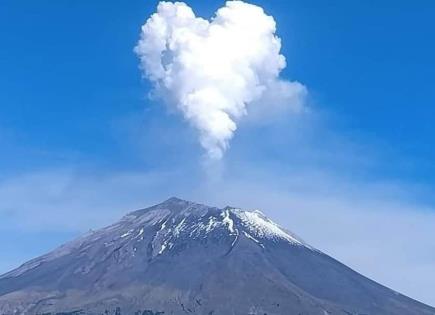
(78, 133)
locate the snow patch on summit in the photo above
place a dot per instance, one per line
(259, 226)
(227, 220)
(171, 228)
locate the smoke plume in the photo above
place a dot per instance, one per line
(213, 71)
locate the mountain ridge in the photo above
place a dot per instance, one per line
(181, 257)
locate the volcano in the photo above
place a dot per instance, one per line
(180, 257)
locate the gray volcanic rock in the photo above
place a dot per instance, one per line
(180, 257)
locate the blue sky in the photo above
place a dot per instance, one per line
(81, 144)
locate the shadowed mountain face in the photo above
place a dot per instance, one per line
(180, 257)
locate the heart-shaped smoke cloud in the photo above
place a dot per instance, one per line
(212, 71)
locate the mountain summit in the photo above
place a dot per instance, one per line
(180, 257)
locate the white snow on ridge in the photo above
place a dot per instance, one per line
(140, 232)
(253, 239)
(163, 225)
(211, 224)
(253, 225)
(261, 227)
(179, 227)
(227, 220)
(162, 249)
(126, 233)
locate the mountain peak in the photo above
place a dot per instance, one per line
(181, 257)
(173, 200)
(177, 220)
(172, 204)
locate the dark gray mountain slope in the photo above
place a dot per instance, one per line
(180, 257)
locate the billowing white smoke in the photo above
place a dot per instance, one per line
(212, 71)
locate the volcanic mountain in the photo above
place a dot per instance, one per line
(180, 257)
